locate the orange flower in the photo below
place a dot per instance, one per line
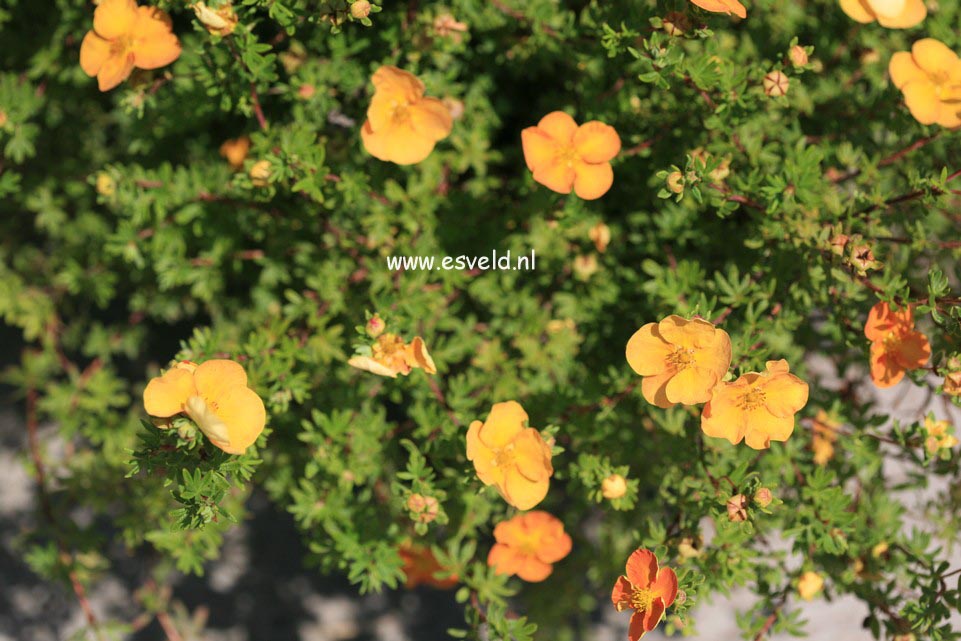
(215, 396)
(723, 6)
(758, 408)
(390, 356)
(930, 79)
(125, 36)
(895, 345)
(528, 545)
(402, 125)
(681, 360)
(565, 157)
(510, 456)
(235, 151)
(825, 435)
(421, 567)
(810, 585)
(894, 14)
(645, 589)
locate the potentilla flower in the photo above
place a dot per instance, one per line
(723, 6)
(528, 545)
(809, 585)
(930, 79)
(510, 455)
(681, 360)
(402, 125)
(564, 157)
(896, 346)
(215, 396)
(825, 434)
(757, 407)
(894, 14)
(391, 356)
(646, 589)
(421, 567)
(613, 487)
(125, 36)
(938, 436)
(235, 151)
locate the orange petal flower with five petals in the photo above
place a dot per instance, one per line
(215, 396)
(895, 345)
(930, 79)
(125, 36)
(528, 545)
(681, 360)
(510, 455)
(758, 408)
(723, 6)
(402, 125)
(646, 589)
(565, 157)
(893, 14)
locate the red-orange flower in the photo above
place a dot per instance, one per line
(528, 545)
(421, 567)
(645, 589)
(895, 345)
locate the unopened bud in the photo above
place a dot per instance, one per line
(375, 326)
(260, 173)
(360, 9)
(776, 84)
(798, 55)
(763, 497)
(614, 487)
(737, 508)
(106, 185)
(424, 508)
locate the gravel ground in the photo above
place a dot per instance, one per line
(269, 596)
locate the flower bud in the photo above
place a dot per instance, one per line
(675, 182)
(776, 84)
(106, 185)
(737, 508)
(763, 497)
(838, 243)
(360, 9)
(375, 327)
(424, 508)
(614, 487)
(416, 503)
(809, 585)
(260, 173)
(798, 56)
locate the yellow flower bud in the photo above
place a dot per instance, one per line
(614, 487)
(776, 84)
(360, 9)
(106, 185)
(798, 56)
(260, 173)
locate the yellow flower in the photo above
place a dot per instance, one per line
(614, 487)
(681, 360)
(510, 455)
(215, 396)
(390, 356)
(106, 186)
(235, 152)
(938, 435)
(809, 585)
(125, 36)
(930, 79)
(402, 125)
(894, 14)
(758, 408)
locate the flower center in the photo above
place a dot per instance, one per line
(681, 358)
(504, 456)
(400, 113)
(567, 154)
(120, 46)
(753, 399)
(642, 599)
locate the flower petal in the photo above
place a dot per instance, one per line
(94, 51)
(368, 364)
(654, 388)
(912, 351)
(665, 586)
(534, 571)
(504, 423)
(216, 376)
(421, 357)
(885, 370)
(690, 386)
(592, 181)
(399, 144)
(785, 395)
(540, 150)
(921, 97)
(597, 142)
(115, 70)
(621, 594)
(532, 456)
(903, 69)
(242, 411)
(556, 175)
(911, 14)
(165, 395)
(653, 616)
(559, 126)
(858, 10)
(641, 568)
(522, 493)
(636, 629)
(933, 55)
(763, 427)
(647, 351)
(154, 43)
(114, 18)
(431, 119)
(397, 84)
